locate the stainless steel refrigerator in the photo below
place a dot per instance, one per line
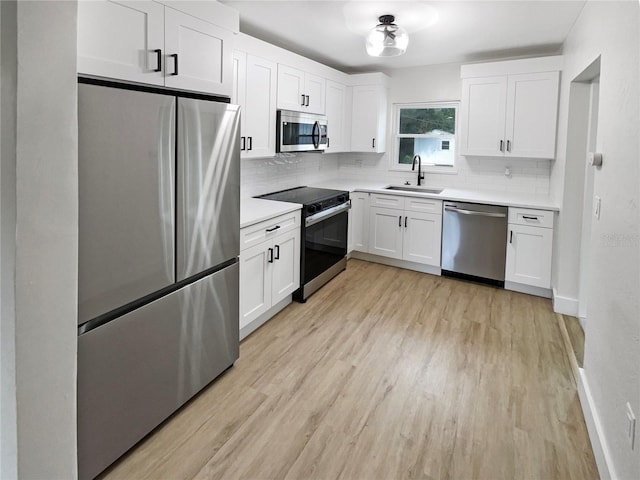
(159, 222)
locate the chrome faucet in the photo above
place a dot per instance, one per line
(413, 167)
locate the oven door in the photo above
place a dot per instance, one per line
(299, 132)
(325, 241)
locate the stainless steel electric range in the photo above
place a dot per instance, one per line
(323, 250)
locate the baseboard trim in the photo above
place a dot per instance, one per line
(594, 427)
(565, 305)
(393, 262)
(252, 326)
(528, 289)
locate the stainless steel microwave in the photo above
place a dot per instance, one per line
(300, 132)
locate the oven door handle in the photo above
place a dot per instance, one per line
(330, 212)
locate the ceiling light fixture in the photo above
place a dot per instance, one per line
(387, 39)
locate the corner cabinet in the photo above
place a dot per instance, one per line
(406, 228)
(269, 268)
(300, 91)
(369, 119)
(254, 89)
(147, 42)
(529, 249)
(513, 114)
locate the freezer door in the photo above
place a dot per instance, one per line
(208, 185)
(133, 372)
(126, 142)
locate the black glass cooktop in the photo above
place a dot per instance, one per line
(306, 195)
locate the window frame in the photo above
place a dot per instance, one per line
(395, 165)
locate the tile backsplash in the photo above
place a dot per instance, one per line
(264, 175)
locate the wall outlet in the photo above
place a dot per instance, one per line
(596, 207)
(631, 426)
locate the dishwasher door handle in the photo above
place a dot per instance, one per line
(474, 212)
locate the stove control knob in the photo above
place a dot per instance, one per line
(311, 209)
(342, 199)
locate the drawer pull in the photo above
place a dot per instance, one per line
(528, 217)
(273, 229)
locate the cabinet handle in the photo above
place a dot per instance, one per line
(158, 53)
(400, 221)
(270, 255)
(277, 257)
(405, 222)
(250, 140)
(527, 217)
(502, 145)
(510, 236)
(273, 229)
(328, 142)
(307, 102)
(302, 104)
(243, 143)
(373, 143)
(175, 63)
(508, 145)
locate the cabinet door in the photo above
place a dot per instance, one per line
(531, 115)
(290, 88)
(368, 119)
(255, 283)
(286, 265)
(198, 54)
(359, 221)
(422, 238)
(260, 108)
(483, 116)
(239, 86)
(119, 39)
(529, 255)
(314, 88)
(385, 232)
(335, 109)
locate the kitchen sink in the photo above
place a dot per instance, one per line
(408, 188)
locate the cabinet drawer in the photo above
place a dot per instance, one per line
(426, 205)
(259, 232)
(527, 216)
(387, 201)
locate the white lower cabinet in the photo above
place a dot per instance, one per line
(406, 228)
(269, 269)
(529, 248)
(359, 222)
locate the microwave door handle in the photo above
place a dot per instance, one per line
(316, 126)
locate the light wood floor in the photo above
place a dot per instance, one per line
(385, 374)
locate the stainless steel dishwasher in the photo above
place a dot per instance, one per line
(474, 241)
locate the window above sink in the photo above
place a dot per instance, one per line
(428, 130)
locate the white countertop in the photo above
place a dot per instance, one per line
(509, 199)
(254, 210)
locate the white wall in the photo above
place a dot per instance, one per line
(8, 436)
(612, 344)
(440, 83)
(46, 240)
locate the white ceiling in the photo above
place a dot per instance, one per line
(332, 31)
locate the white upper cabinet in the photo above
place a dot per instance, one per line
(147, 42)
(254, 89)
(300, 91)
(121, 40)
(336, 111)
(513, 114)
(369, 118)
(198, 54)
